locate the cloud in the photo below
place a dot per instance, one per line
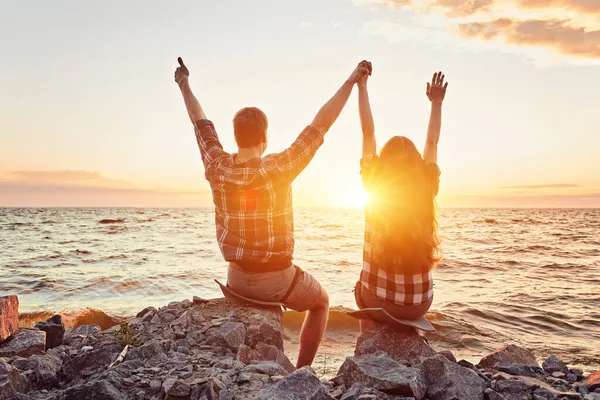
(545, 186)
(568, 28)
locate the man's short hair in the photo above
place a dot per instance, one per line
(250, 127)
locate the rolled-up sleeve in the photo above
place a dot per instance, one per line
(296, 158)
(210, 147)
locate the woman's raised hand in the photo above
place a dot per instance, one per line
(436, 90)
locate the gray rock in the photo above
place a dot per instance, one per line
(198, 300)
(24, 343)
(146, 351)
(45, 369)
(231, 334)
(155, 386)
(145, 311)
(9, 316)
(381, 372)
(269, 368)
(97, 390)
(246, 354)
(173, 387)
(86, 330)
(571, 377)
(492, 395)
(448, 354)
(515, 388)
(447, 380)
(399, 343)
(519, 369)
(543, 394)
(510, 354)
(91, 360)
(299, 385)
(272, 353)
(55, 331)
(467, 364)
(226, 395)
(11, 381)
(359, 391)
(554, 364)
(592, 396)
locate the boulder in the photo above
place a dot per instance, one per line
(379, 371)
(300, 385)
(96, 390)
(9, 316)
(272, 353)
(45, 369)
(554, 364)
(448, 354)
(399, 343)
(55, 331)
(24, 343)
(11, 381)
(593, 381)
(509, 354)
(448, 380)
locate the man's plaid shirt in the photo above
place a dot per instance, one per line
(391, 282)
(253, 200)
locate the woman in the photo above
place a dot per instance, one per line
(401, 243)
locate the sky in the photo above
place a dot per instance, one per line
(90, 115)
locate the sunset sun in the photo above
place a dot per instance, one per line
(354, 198)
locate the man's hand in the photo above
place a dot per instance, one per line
(363, 68)
(436, 91)
(362, 81)
(181, 73)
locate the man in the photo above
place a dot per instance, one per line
(253, 206)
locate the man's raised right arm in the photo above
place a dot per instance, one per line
(206, 136)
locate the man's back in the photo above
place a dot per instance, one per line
(253, 199)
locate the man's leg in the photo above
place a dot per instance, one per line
(313, 329)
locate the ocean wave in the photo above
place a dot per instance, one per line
(112, 221)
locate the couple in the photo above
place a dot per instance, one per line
(255, 222)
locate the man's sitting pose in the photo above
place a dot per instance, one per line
(253, 206)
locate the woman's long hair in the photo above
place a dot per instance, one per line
(403, 205)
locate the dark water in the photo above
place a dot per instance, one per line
(530, 277)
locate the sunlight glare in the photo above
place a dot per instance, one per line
(355, 198)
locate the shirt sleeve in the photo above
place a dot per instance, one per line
(367, 165)
(210, 147)
(292, 161)
(433, 173)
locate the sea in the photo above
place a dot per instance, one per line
(524, 276)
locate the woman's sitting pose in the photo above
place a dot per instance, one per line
(401, 243)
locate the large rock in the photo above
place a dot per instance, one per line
(9, 316)
(146, 351)
(448, 380)
(97, 390)
(91, 361)
(175, 388)
(231, 334)
(381, 372)
(45, 369)
(509, 354)
(55, 331)
(300, 385)
(516, 389)
(272, 353)
(11, 381)
(399, 343)
(593, 381)
(24, 343)
(554, 364)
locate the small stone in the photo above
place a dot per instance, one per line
(509, 354)
(301, 384)
(173, 304)
(514, 386)
(55, 331)
(86, 348)
(543, 394)
(198, 300)
(9, 316)
(168, 317)
(491, 395)
(145, 312)
(272, 353)
(148, 317)
(246, 354)
(155, 386)
(86, 330)
(179, 335)
(11, 381)
(554, 364)
(186, 303)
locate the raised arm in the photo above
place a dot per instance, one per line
(210, 147)
(436, 91)
(369, 146)
(332, 109)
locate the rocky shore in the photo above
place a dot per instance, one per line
(221, 350)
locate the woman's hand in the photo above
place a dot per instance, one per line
(362, 81)
(436, 91)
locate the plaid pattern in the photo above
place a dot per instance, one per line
(253, 200)
(387, 281)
